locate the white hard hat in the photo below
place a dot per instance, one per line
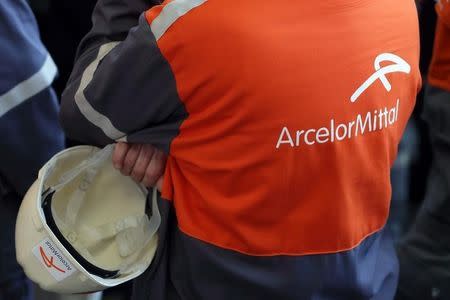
(82, 226)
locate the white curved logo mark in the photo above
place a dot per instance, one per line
(400, 65)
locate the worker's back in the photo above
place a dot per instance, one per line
(280, 173)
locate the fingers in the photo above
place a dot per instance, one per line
(120, 150)
(131, 158)
(142, 162)
(160, 183)
(155, 169)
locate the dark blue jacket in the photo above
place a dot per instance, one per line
(29, 128)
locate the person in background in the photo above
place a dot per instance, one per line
(424, 253)
(28, 126)
(62, 24)
(280, 122)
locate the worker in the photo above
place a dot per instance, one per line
(424, 251)
(28, 126)
(278, 122)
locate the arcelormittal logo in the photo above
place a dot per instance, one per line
(399, 66)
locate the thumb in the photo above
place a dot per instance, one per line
(159, 183)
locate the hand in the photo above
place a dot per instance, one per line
(142, 162)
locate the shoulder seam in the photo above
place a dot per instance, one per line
(169, 14)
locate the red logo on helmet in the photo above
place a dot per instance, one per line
(49, 261)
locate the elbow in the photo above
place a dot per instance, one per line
(76, 126)
(72, 121)
(68, 115)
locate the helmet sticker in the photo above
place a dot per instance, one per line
(53, 260)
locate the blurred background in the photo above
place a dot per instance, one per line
(63, 23)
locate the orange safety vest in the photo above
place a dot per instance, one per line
(295, 115)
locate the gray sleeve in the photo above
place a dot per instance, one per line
(111, 21)
(121, 88)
